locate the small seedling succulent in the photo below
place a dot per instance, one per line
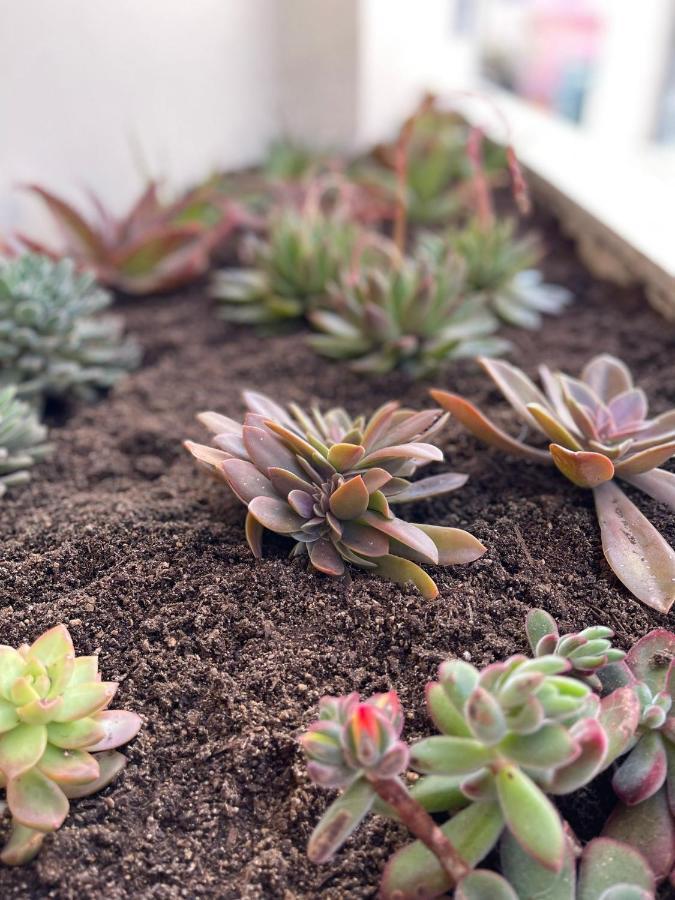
(501, 268)
(328, 482)
(52, 340)
(22, 440)
(356, 746)
(587, 651)
(599, 429)
(57, 736)
(410, 313)
(155, 247)
(293, 266)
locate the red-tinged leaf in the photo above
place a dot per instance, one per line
(75, 735)
(455, 546)
(649, 660)
(539, 624)
(591, 741)
(516, 387)
(155, 247)
(350, 500)
(302, 447)
(339, 821)
(548, 748)
(619, 716)
(208, 457)
(645, 460)
(82, 239)
(637, 554)
(484, 716)
(345, 456)
(412, 427)
(482, 428)
(302, 503)
(22, 846)
(218, 424)
(607, 376)
(110, 764)
(36, 802)
(52, 645)
(433, 486)
(553, 429)
(375, 478)
(405, 533)
(68, 766)
(265, 451)
(481, 884)
(414, 872)
(275, 514)
(403, 571)
(445, 714)
(607, 863)
(21, 749)
(670, 777)
(649, 828)
(643, 771)
(379, 423)
(583, 468)
(119, 726)
(325, 558)
(284, 481)
(254, 535)
(365, 540)
(658, 484)
(413, 450)
(246, 480)
(530, 879)
(231, 444)
(267, 408)
(531, 817)
(628, 408)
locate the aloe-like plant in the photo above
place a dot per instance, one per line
(57, 736)
(588, 650)
(53, 342)
(409, 313)
(155, 247)
(22, 440)
(598, 428)
(328, 481)
(292, 267)
(644, 779)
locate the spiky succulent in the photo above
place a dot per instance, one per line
(52, 340)
(328, 482)
(156, 246)
(500, 267)
(293, 266)
(599, 429)
(57, 737)
(587, 651)
(22, 440)
(410, 313)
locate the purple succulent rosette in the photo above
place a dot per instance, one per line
(599, 430)
(329, 481)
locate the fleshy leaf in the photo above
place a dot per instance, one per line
(433, 486)
(21, 749)
(345, 456)
(643, 771)
(606, 863)
(455, 546)
(530, 879)
(634, 549)
(649, 660)
(446, 755)
(75, 735)
(553, 429)
(405, 533)
(325, 558)
(658, 484)
(403, 571)
(583, 468)
(607, 376)
(110, 764)
(649, 828)
(339, 821)
(539, 624)
(364, 540)
(68, 766)
(531, 817)
(51, 645)
(591, 741)
(350, 500)
(22, 845)
(85, 699)
(246, 480)
(481, 884)
(645, 460)
(36, 802)
(275, 514)
(619, 716)
(549, 747)
(447, 718)
(119, 726)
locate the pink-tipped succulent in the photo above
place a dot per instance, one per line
(587, 650)
(356, 746)
(598, 429)
(57, 736)
(328, 481)
(154, 247)
(644, 780)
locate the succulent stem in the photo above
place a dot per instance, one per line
(419, 822)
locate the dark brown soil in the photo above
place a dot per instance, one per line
(225, 658)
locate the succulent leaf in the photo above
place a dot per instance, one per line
(481, 884)
(613, 871)
(530, 879)
(643, 771)
(530, 817)
(340, 820)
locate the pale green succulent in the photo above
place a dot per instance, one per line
(52, 340)
(22, 440)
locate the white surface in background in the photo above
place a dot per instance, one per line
(89, 88)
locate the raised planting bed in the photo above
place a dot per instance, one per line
(225, 658)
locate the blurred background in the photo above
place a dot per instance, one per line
(105, 95)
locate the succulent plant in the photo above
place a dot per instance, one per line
(608, 870)
(293, 267)
(328, 481)
(405, 313)
(57, 736)
(290, 160)
(500, 267)
(52, 341)
(599, 429)
(154, 247)
(587, 651)
(22, 440)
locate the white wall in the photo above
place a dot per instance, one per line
(89, 88)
